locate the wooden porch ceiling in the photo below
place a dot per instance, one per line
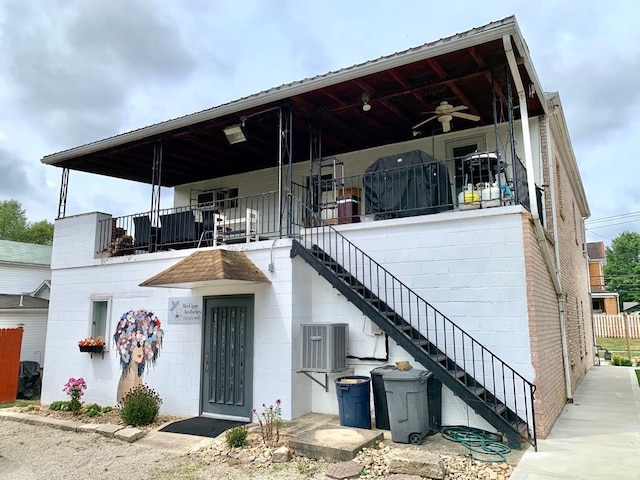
(400, 98)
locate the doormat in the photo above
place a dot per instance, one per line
(201, 426)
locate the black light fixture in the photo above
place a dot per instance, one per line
(235, 134)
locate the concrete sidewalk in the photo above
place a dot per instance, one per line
(596, 436)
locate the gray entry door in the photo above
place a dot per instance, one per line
(227, 377)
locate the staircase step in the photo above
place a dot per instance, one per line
(477, 391)
(500, 409)
(457, 373)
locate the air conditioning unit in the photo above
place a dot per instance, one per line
(324, 347)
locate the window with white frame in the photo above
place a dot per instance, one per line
(100, 308)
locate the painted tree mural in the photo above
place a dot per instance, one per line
(138, 339)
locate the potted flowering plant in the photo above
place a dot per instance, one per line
(90, 344)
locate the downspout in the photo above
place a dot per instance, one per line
(554, 270)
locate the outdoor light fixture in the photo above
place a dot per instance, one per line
(365, 103)
(235, 134)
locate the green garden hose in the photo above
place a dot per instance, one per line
(483, 445)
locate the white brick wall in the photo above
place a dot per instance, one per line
(484, 296)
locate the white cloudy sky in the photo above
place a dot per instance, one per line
(75, 71)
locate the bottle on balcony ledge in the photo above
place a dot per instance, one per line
(469, 199)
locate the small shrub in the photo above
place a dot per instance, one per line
(93, 410)
(75, 388)
(620, 361)
(59, 405)
(107, 409)
(237, 436)
(140, 406)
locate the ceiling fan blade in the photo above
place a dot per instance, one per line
(424, 121)
(458, 108)
(446, 126)
(466, 116)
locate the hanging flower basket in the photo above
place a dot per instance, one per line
(91, 348)
(91, 345)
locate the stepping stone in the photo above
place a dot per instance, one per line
(344, 470)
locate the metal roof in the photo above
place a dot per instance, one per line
(465, 68)
(26, 253)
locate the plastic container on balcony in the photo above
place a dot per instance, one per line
(490, 195)
(469, 199)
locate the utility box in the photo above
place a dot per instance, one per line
(324, 347)
(410, 415)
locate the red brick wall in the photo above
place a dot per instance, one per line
(544, 318)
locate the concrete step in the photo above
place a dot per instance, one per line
(333, 442)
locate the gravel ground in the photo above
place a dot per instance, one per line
(29, 452)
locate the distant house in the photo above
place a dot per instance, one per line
(452, 239)
(602, 301)
(25, 273)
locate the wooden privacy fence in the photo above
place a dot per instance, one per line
(616, 326)
(10, 345)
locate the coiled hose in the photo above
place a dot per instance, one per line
(483, 445)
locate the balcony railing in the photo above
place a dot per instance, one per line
(478, 180)
(475, 181)
(240, 219)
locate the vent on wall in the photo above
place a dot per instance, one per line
(324, 347)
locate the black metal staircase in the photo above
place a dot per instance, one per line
(485, 382)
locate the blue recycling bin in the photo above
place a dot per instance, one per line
(354, 399)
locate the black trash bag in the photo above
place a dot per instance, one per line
(29, 381)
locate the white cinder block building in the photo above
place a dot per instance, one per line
(452, 239)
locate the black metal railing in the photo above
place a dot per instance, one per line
(232, 220)
(477, 180)
(482, 372)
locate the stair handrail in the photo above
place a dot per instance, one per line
(308, 233)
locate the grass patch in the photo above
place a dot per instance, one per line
(619, 346)
(638, 376)
(20, 403)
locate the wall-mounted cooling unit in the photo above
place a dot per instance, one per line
(324, 347)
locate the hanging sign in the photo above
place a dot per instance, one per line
(185, 310)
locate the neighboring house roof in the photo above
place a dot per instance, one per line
(26, 253)
(596, 251)
(38, 290)
(22, 302)
(630, 306)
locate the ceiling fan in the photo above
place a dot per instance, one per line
(445, 113)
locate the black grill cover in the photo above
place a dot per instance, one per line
(406, 184)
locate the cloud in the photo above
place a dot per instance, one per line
(73, 76)
(14, 180)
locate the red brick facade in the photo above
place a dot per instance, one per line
(544, 316)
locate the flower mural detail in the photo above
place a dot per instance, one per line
(138, 328)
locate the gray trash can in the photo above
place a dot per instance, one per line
(408, 403)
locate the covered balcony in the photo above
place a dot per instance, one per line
(447, 126)
(422, 186)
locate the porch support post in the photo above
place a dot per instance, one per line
(156, 182)
(64, 187)
(285, 164)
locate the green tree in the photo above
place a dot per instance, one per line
(622, 271)
(14, 225)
